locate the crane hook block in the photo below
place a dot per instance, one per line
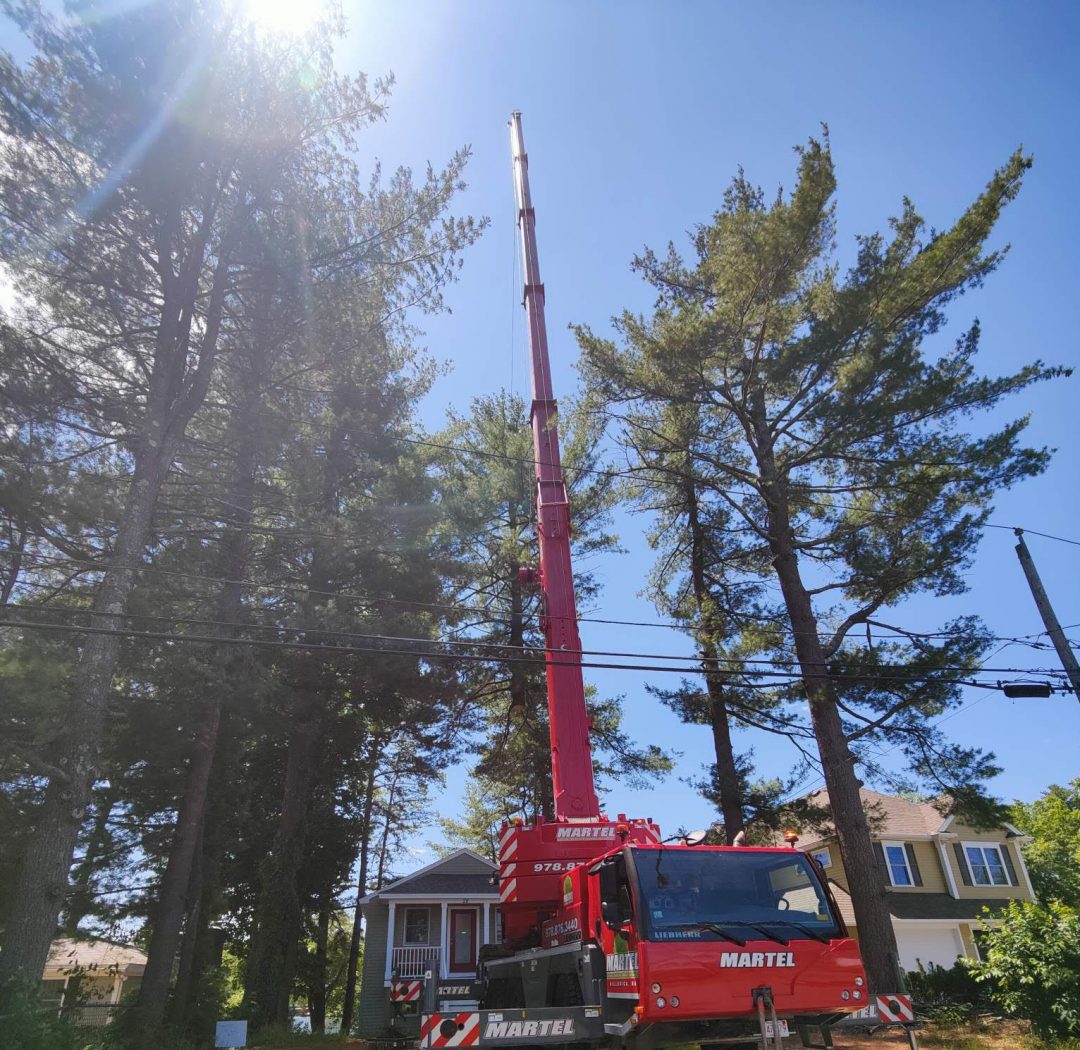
(527, 574)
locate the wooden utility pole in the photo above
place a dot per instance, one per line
(1046, 610)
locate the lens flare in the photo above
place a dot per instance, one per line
(288, 17)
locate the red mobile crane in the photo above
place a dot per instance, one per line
(610, 935)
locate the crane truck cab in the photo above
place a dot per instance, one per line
(649, 945)
(691, 933)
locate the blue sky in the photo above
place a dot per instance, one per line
(635, 116)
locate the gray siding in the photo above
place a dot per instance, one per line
(373, 1013)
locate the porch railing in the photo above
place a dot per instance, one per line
(415, 960)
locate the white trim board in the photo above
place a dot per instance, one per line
(438, 898)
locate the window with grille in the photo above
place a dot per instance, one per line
(417, 924)
(986, 864)
(897, 861)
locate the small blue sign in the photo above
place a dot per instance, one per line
(231, 1033)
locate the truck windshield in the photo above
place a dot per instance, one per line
(690, 894)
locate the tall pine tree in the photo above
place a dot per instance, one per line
(834, 442)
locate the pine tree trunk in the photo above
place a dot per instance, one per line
(9, 572)
(174, 393)
(317, 993)
(727, 774)
(877, 939)
(176, 883)
(42, 881)
(384, 836)
(173, 896)
(727, 771)
(278, 915)
(193, 920)
(356, 940)
(200, 946)
(80, 899)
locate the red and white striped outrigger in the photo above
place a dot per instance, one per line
(405, 991)
(439, 1030)
(508, 844)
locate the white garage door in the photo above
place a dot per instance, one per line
(935, 944)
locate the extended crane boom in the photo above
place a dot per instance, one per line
(571, 757)
(612, 938)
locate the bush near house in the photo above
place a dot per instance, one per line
(1031, 964)
(948, 994)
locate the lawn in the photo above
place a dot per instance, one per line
(1004, 1035)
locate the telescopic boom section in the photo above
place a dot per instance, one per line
(571, 757)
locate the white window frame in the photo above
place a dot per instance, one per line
(983, 848)
(426, 942)
(902, 847)
(822, 856)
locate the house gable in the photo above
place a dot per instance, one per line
(463, 873)
(969, 876)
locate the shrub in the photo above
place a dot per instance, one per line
(26, 1025)
(950, 997)
(1031, 964)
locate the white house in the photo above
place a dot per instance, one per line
(87, 979)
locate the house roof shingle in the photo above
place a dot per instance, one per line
(939, 906)
(95, 955)
(474, 884)
(920, 906)
(889, 815)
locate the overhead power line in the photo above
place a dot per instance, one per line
(746, 663)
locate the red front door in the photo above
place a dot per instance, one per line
(462, 940)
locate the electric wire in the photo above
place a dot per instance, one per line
(431, 649)
(732, 662)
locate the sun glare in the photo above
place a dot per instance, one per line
(285, 16)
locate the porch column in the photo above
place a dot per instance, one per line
(444, 961)
(390, 942)
(485, 932)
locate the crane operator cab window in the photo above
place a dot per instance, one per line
(711, 895)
